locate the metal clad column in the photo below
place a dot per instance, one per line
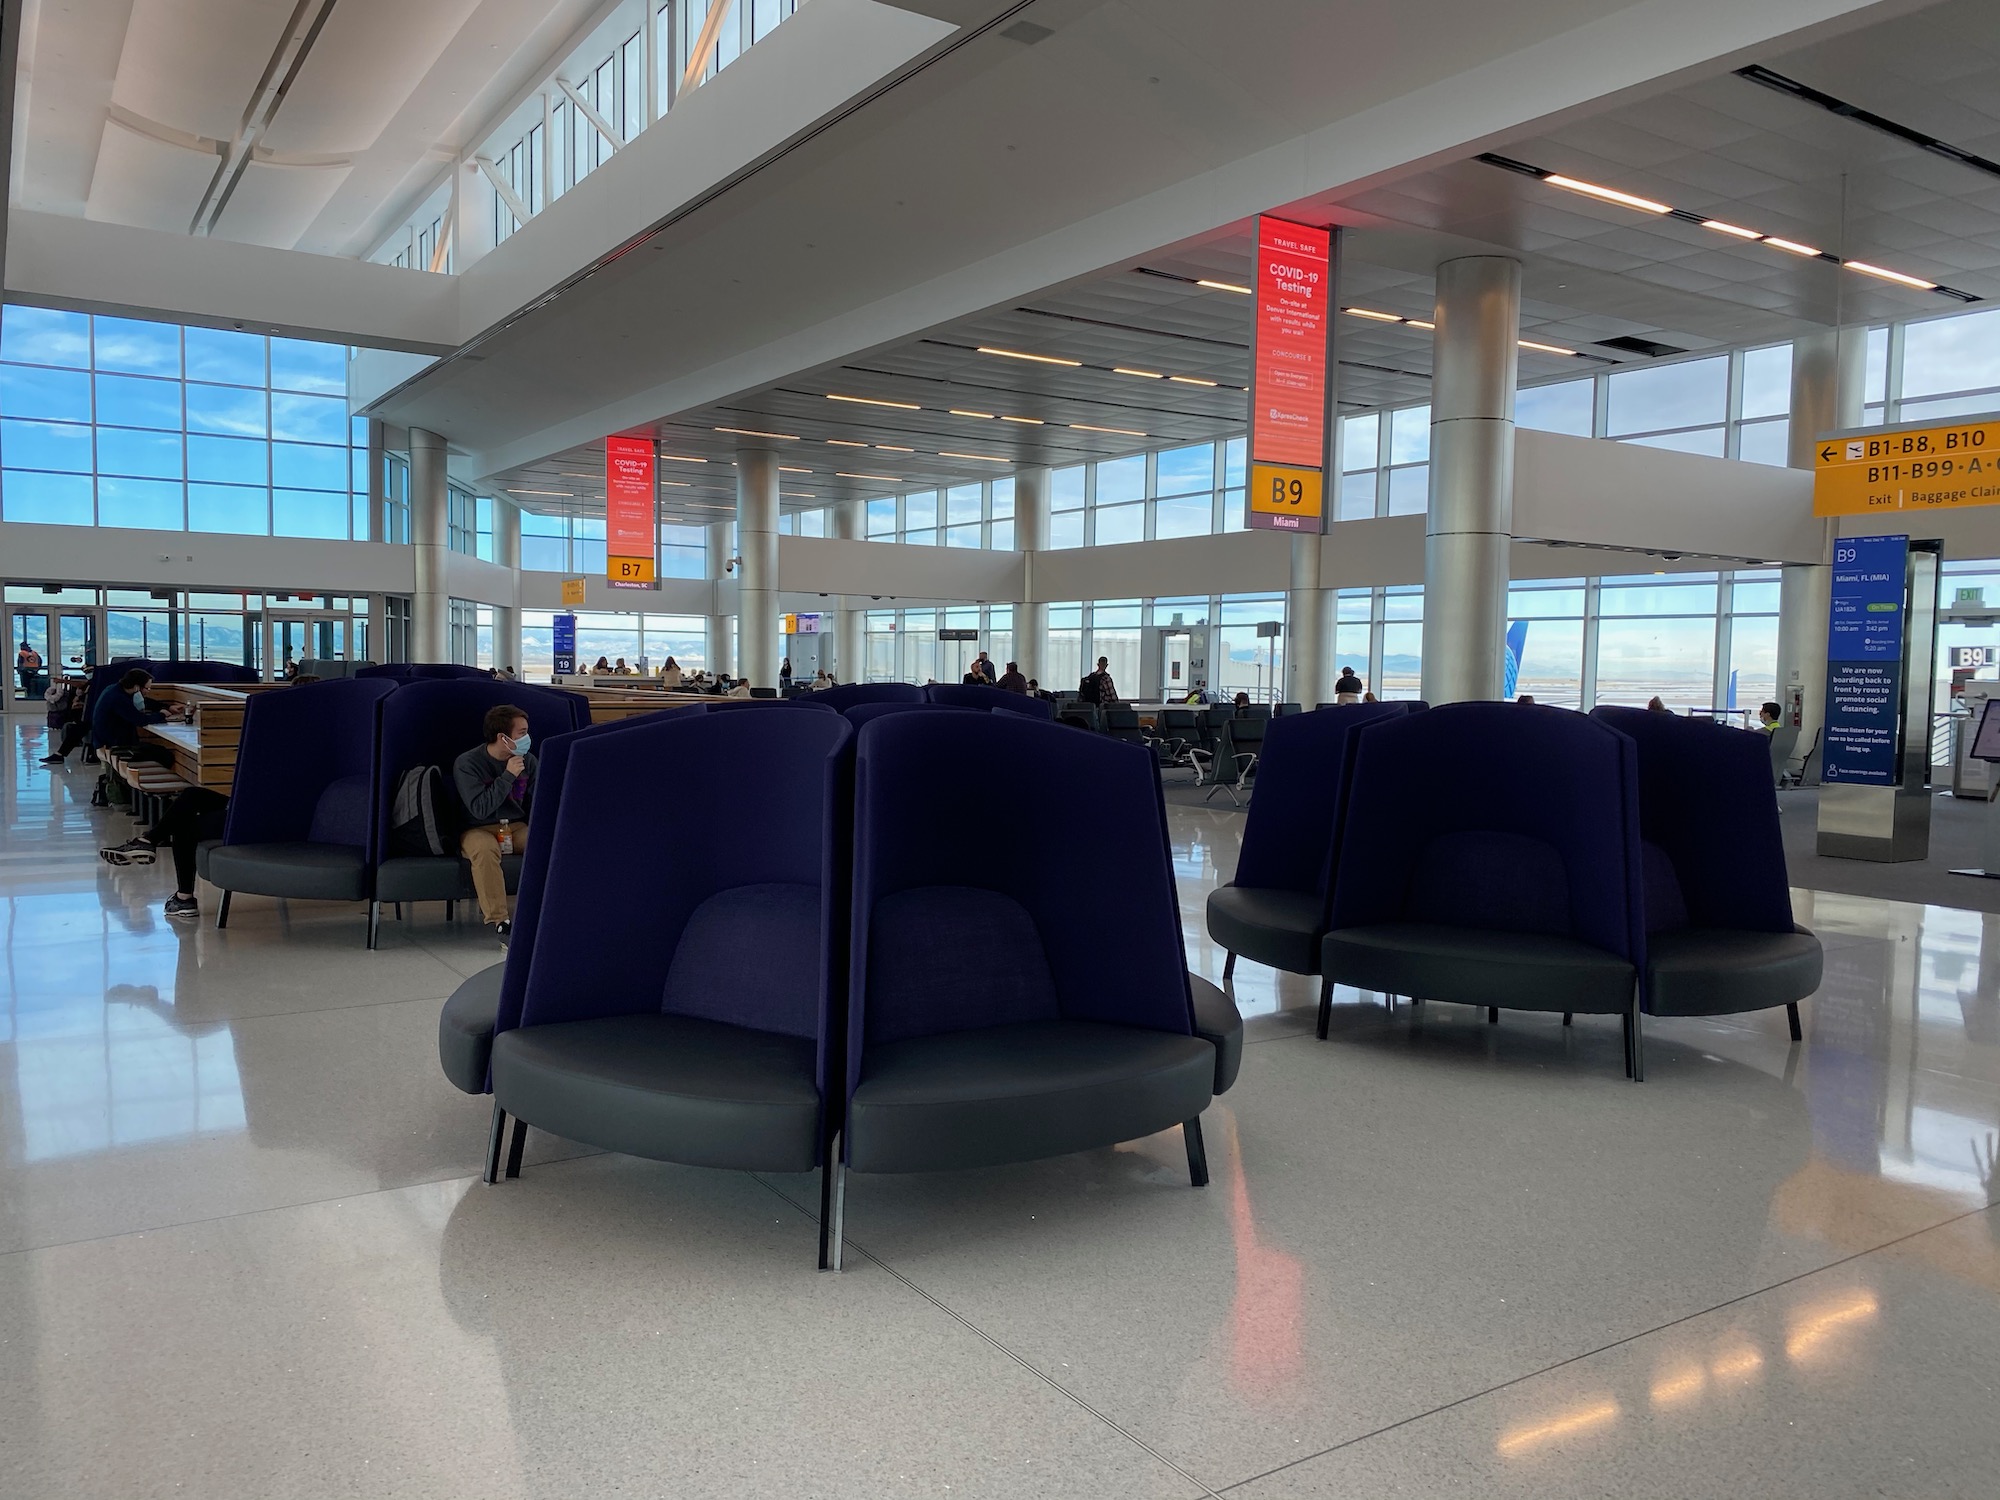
(721, 656)
(507, 553)
(1467, 531)
(1031, 535)
(850, 640)
(1829, 375)
(1305, 610)
(757, 646)
(430, 536)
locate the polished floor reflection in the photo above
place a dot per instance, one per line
(243, 1251)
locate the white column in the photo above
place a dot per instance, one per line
(1031, 536)
(1306, 679)
(1829, 376)
(507, 553)
(850, 626)
(721, 652)
(1467, 530)
(430, 536)
(757, 645)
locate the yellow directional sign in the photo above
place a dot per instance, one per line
(1908, 468)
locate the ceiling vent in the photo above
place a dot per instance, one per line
(1027, 33)
(1648, 347)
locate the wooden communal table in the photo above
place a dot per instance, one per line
(609, 703)
(204, 748)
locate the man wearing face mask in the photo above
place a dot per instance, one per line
(120, 712)
(496, 782)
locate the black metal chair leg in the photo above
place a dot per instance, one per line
(493, 1139)
(1792, 1015)
(1638, 1043)
(1567, 1017)
(451, 911)
(1228, 968)
(399, 911)
(515, 1146)
(1626, 1021)
(1196, 1152)
(1492, 1015)
(222, 911)
(832, 1205)
(374, 924)
(1325, 1007)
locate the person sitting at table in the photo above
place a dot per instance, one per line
(1011, 680)
(741, 690)
(671, 675)
(974, 677)
(121, 712)
(603, 664)
(496, 783)
(188, 819)
(621, 669)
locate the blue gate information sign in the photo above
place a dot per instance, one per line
(1864, 660)
(565, 644)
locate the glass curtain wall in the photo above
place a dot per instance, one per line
(612, 635)
(116, 422)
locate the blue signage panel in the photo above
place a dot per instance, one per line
(565, 644)
(1864, 660)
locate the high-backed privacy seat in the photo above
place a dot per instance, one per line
(470, 1016)
(1489, 855)
(1275, 910)
(1719, 931)
(445, 671)
(972, 695)
(848, 694)
(298, 823)
(864, 713)
(431, 723)
(394, 671)
(1016, 992)
(712, 1042)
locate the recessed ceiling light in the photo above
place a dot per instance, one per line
(800, 494)
(985, 458)
(678, 458)
(1897, 276)
(1544, 348)
(1810, 251)
(675, 484)
(871, 401)
(1608, 195)
(884, 478)
(1040, 359)
(1190, 380)
(844, 443)
(893, 448)
(984, 416)
(1732, 229)
(1120, 431)
(1419, 323)
(1142, 374)
(1225, 286)
(563, 493)
(782, 469)
(783, 437)
(1371, 315)
(1025, 421)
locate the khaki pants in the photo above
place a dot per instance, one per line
(481, 845)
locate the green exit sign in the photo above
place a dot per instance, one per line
(1970, 596)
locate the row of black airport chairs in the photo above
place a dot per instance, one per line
(837, 972)
(1511, 856)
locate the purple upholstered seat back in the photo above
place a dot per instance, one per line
(964, 918)
(1707, 804)
(848, 694)
(1302, 780)
(1495, 815)
(304, 765)
(972, 695)
(731, 906)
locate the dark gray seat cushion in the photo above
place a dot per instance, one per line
(673, 1088)
(1021, 1091)
(201, 854)
(435, 877)
(1475, 966)
(1275, 927)
(317, 872)
(465, 1029)
(1217, 1022)
(1710, 971)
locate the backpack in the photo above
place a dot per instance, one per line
(1088, 689)
(423, 818)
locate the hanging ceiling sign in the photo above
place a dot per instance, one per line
(631, 525)
(1916, 466)
(1290, 366)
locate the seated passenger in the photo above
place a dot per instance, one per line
(603, 664)
(496, 782)
(1242, 702)
(188, 819)
(122, 711)
(67, 710)
(742, 688)
(670, 674)
(621, 669)
(1011, 680)
(974, 677)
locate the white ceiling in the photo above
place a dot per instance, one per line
(1723, 147)
(123, 104)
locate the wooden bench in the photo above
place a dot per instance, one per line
(151, 783)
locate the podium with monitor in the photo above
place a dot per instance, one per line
(1986, 747)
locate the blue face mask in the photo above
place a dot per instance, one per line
(521, 745)
(139, 701)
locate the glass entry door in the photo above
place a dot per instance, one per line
(60, 642)
(294, 638)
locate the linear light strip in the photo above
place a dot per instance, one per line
(1385, 317)
(1719, 226)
